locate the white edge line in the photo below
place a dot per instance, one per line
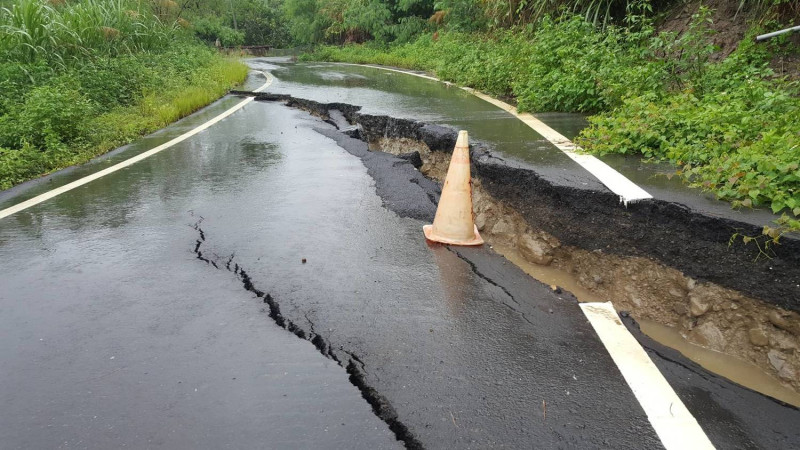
(672, 421)
(128, 162)
(627, 190)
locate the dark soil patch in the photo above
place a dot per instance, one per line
(728, 22)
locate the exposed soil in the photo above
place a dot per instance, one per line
(730, 20)
(728, 23)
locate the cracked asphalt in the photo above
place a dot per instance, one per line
(250, 288)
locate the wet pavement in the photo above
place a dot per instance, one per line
(127, 320)
(116, 335)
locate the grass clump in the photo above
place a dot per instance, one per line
(34, 30)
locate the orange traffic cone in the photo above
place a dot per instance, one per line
(453, 223)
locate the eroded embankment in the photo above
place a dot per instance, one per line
(658, 260)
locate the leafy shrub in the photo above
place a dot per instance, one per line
(110, 82)
(50, 117)
(211, 28)
(574, 66)
(16, 79)
(263, 23)
(408, 29)
(346, 21)
(23, 164)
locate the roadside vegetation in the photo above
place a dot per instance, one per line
(728, 120)
(236, 22)
(80, 78)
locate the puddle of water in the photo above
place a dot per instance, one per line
(736, 370)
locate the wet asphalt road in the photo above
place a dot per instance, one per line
(117, 335)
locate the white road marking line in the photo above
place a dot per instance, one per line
(128, 162)
(627, 190)
(673, 423)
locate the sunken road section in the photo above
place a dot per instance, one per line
(698, 245)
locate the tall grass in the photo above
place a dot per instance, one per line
(33, 30)
(61, 123)
(78, 78)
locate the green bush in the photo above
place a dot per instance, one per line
(22, 164)
(408, 29)
(54, 114)
(110, 82)
(211, 28)
(574, 66)
(50, 117)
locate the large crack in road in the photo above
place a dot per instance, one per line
(353, 365)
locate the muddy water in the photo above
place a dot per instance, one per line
(734, 369)
(548, 274)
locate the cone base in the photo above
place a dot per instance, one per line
(429, 235)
